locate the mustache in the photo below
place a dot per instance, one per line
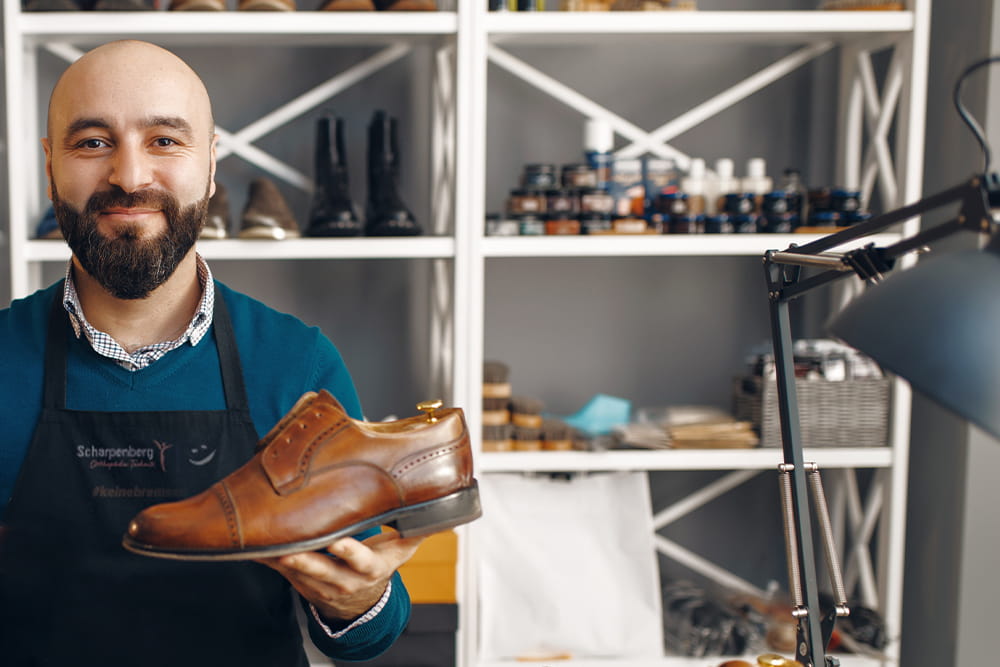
(118, 198)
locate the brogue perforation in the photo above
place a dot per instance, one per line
(410, 463)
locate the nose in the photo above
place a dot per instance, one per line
(131, 168)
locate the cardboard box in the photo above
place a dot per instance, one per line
(430, 575)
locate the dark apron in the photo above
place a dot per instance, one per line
(71, 595)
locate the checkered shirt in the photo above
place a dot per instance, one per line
(107, 346)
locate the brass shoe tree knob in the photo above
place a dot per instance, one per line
(429, 407)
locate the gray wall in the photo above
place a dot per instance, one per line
(952, 534)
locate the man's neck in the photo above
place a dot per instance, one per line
(136, 323)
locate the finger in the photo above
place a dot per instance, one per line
(315, 565)
(359, 556)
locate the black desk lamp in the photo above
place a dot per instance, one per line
(936, 325)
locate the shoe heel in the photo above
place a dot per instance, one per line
(437, 515)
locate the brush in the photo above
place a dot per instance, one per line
(495, 380)
(498, 438)
(527, 439)
(496, 411)
(526, 412)
(556, 435)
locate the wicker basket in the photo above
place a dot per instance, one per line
(848, 413)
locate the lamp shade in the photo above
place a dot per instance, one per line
(937, 325)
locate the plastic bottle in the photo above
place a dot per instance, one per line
(797, 194)
(757, 181)
(693, 185)
(598, 141)
(725, 182)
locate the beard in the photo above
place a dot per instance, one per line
(126, 265)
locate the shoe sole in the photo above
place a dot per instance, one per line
(417, 520)
(268, 233)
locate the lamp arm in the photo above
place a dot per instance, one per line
(783, 273)
(977, 197)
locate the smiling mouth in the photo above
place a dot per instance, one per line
(130, 212)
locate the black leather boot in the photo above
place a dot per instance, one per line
(333, 212)
(385, 213)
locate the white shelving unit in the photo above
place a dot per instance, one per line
(466, 43)
(864, 160)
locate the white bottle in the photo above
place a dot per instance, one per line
(693, 185)
(725, 182)
(757, 181)
(598, 142)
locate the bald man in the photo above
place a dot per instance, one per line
(128, 383)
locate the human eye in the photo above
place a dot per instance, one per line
(92, 143)
(164, 142)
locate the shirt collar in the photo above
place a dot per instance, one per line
(196, 330)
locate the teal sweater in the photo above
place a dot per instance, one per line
(282, 358)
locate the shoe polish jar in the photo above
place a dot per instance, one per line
(597, 201)
(525, 201)
(539, 176)
(687, 224)
(500, 225)
(719, 224)
(562, 224)
(562, 201)
(531, 225)
(595, 223)
(577, 176)
(630, 225)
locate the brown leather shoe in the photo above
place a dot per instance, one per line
(217, 220)
(406, 5)
(348, 6)
(266, 6)
(197, 6)
(266, 214)
(319, 475)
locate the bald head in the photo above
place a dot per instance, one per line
(129, 70)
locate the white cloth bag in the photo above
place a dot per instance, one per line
(568, 567)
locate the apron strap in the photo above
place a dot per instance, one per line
(54, 388)
(229, 358)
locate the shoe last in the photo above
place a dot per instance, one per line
(266, 214)
(317, 476)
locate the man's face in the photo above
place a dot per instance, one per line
(130, 158)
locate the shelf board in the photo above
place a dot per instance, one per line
(667, 661)
(765, 26)
(764, 458)
(232, 28)
(654, 244)
(426, 247)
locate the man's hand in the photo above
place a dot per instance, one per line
(349, 584)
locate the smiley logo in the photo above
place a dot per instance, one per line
(200, 456)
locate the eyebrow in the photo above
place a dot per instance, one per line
(174, 122)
